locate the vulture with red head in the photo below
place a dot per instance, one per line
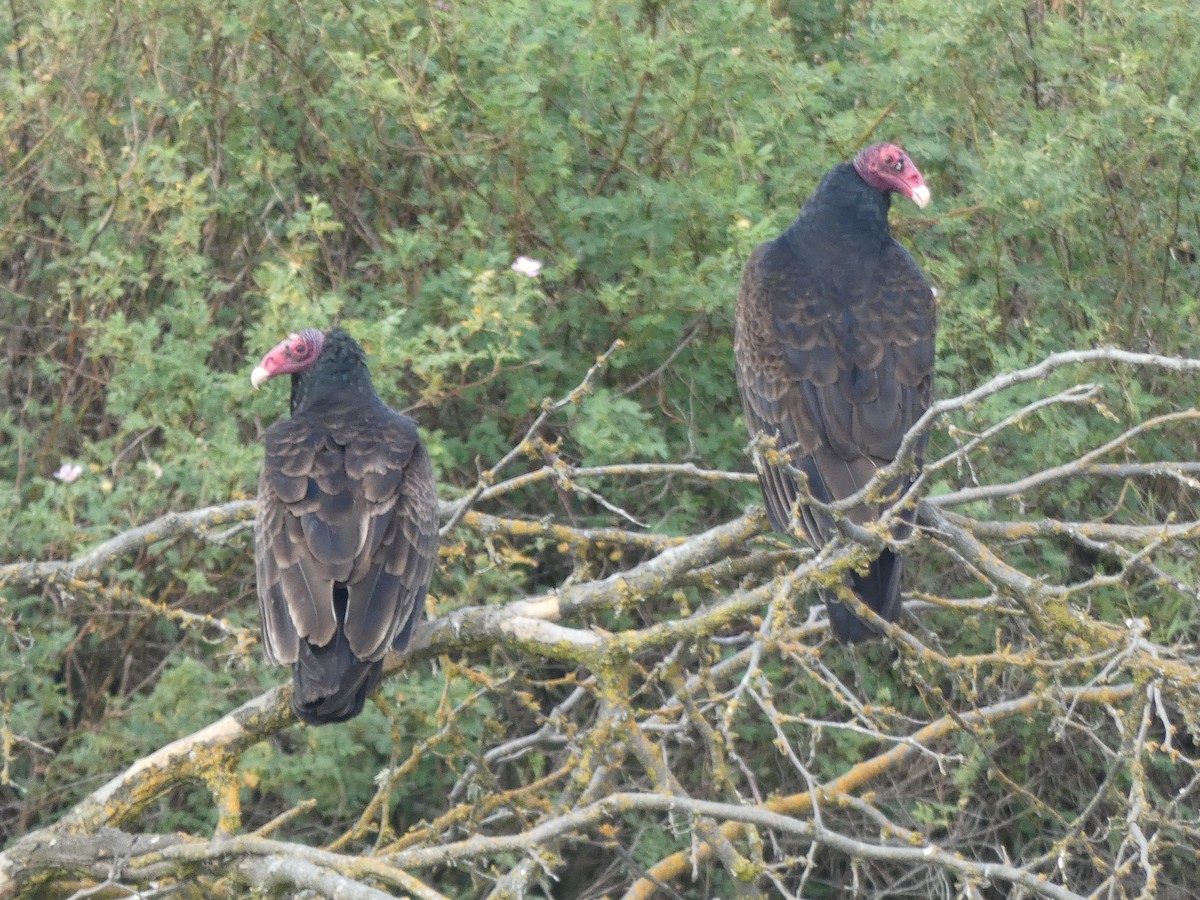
(834, 350)
(347, 528)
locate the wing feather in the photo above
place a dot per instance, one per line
(349, 501)
(836, 369)
(389, 597)
(280, 640)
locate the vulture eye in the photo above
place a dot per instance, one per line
(898, 165)
(300, 348)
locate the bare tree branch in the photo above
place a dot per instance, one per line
(689, 690)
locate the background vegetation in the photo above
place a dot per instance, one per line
(184, 184)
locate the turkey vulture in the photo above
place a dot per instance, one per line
(834, 349)
(347, 526)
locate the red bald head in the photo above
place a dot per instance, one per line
(886, 167)
(295, 353)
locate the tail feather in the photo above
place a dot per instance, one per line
(330, 684)
(879, 588)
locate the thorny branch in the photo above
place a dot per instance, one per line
(690, 693)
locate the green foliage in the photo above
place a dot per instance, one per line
(185, 184)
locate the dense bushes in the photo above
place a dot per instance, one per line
(184, 184)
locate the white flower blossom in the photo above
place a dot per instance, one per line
(68, 472)
(527, 266)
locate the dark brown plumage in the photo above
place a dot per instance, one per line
(347, 527)
(834, 346)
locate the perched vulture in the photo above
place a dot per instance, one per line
(347, 527)
(834, 348)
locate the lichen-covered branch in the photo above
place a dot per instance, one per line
(672, 702)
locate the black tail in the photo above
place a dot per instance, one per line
(330, 683)
(879, 588)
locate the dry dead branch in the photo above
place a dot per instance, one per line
(692, 694)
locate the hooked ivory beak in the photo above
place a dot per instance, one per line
(921, 196)
(260, 374)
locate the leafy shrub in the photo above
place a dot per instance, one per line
(185, 184)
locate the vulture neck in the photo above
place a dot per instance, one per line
(843, 207)
(339, 375)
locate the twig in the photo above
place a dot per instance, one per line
(549, 408)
